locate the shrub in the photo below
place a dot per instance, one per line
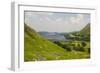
(83, 44)
(58, 43)
(79, 49)
(82, 49)
(68, 48)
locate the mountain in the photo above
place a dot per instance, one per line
(53, 36)
(86, 29)
(38, 48)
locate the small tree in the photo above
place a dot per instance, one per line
(58, 43)
(68, 48)
(83, 44)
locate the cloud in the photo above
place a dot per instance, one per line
(52, 22)
(77, 19)
(37, 17)
(27, 13)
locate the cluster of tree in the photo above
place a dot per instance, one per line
(77, 36)
(70, 47)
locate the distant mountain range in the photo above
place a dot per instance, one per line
(60, 36)
(53, 36)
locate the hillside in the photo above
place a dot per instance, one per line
(86, 29)
(36, 48)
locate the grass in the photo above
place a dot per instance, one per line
(37, 48)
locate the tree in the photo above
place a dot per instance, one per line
(68, 48)
(58, 43)
(83, 44)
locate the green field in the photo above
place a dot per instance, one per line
(37, 48)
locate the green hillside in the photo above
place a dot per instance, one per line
(86, 29)
(36, 48)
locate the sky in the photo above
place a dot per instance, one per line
(56, 21)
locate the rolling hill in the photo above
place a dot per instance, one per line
(37, 48)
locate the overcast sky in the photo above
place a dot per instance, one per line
(56, 21)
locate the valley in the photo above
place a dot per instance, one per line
(41, 46)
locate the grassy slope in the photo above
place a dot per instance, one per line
(86, 29)
(38, 48)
